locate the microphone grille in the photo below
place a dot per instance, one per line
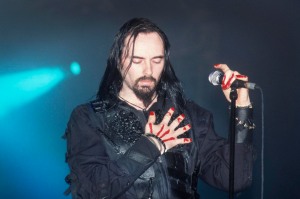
(214, 77)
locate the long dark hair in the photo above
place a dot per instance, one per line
(168, 87)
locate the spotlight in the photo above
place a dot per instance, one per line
(22, 87)
(75, 68)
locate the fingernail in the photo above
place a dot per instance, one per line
(172, 108)
(151, 113)
(241, 76)
(187, 127)
(217, 65)
(182, 115)
(187, 140)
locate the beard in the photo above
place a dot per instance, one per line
(145, 93)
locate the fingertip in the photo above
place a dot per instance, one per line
(187, 140)
(187, 127)
(152, 113)
(244, 77)
(217, 65)
(151, 118)
(241, 76)
(171, 111)
(223, 67)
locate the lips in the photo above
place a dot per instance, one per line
(146, 82)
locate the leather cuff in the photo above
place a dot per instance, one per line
(244, 124)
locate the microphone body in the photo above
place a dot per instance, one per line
(216, 79)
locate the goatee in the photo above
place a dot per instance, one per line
(145, 93)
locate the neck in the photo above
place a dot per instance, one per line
(134, 101)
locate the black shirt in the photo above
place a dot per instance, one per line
(109, 156)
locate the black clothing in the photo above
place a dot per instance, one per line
(109, 157)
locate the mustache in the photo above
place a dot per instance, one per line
(146, 78)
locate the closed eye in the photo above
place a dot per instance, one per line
(157, 60)
(137, 60)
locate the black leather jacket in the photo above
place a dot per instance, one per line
(109, 157)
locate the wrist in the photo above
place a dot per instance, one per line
(244, 105)
(157, 142)
(244, 124)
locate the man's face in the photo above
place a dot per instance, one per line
(147, 65)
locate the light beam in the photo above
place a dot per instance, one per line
(20, 88)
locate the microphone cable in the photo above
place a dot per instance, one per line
(262, 143)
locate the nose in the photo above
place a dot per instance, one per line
(148, 69)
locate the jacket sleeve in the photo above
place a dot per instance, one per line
(92, 173)
(214, 153)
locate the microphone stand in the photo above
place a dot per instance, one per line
(233, 97)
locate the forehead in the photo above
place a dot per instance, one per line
(144, 42)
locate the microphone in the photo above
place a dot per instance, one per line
(216, 79)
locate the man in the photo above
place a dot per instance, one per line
(141, 138)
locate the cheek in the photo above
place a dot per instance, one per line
(159, 71)
(132, 74)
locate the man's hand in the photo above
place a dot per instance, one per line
(164, 135)
(229, 77)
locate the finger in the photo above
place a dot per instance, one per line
(184, 140)
(242, 77)
(169, 139)
(177, 121)
(152, 117)
(223, 67)
(179, 141)
(149, 128)
(182, 130)
(168, 116)
(151, 121)
(226, 82)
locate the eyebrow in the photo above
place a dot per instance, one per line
(155, 57)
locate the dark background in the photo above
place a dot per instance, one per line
(257, 38)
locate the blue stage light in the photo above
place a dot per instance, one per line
(75, 68)
(22, 87)
(31, 147)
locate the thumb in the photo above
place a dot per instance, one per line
(152, 117)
